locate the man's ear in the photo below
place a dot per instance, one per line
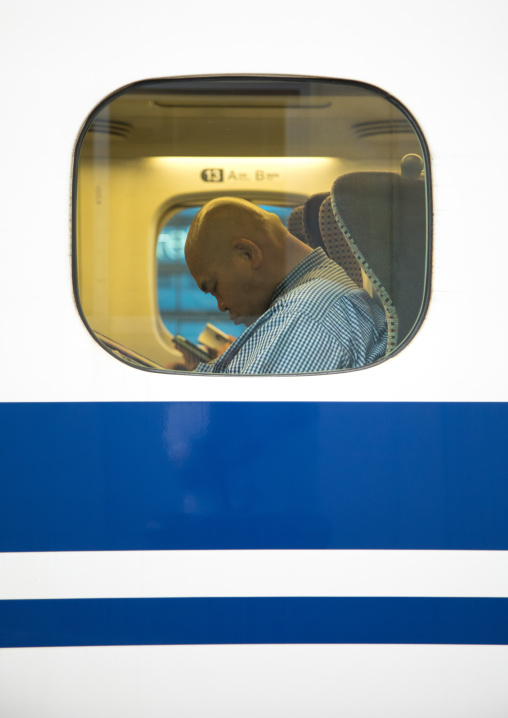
(250, 250)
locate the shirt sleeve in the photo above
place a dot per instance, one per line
(203, 368)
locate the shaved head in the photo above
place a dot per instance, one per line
(227, 218)
(240, 253)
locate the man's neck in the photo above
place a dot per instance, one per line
(295, 252)
(284, 260)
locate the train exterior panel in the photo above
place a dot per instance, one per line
(329, 544)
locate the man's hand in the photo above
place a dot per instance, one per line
(189, 361)
(215, 353)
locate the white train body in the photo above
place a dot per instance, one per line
(123, 595)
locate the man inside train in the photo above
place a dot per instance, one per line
(301, 310)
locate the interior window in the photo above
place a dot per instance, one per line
(183, 307)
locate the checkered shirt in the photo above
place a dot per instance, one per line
(318, 320)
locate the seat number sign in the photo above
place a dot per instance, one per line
(217, 174)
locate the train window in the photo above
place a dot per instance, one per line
(331, 176)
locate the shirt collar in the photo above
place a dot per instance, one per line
(316, 258)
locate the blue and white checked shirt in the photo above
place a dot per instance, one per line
(318, 320)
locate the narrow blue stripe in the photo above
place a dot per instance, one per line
(118, 476)
(191, 621)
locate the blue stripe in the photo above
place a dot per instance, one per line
(119, 476)
(191, 621)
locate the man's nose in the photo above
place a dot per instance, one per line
(221, 305)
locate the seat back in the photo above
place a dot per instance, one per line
(383, 216)
(336, 244)
(323, 231)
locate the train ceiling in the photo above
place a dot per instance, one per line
(230, 119)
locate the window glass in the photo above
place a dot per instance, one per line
(343, 165)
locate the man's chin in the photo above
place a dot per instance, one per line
(238, 319)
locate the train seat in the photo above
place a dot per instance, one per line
(303, 222)
(336, 244)
(311, 219)
(296, 225)
(326, 234)
(383, 217)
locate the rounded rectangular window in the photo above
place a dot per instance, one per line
(250, 225)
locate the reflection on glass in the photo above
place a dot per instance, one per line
(343, 165)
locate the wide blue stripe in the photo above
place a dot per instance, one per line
(113, 476)
(190, 621)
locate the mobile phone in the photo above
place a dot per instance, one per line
(196, 351)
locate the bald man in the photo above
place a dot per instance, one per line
(302, 312)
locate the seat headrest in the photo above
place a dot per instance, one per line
(311, 219)
(296, 226)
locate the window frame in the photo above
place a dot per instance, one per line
(248, 78)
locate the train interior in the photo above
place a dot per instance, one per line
(342, 164)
